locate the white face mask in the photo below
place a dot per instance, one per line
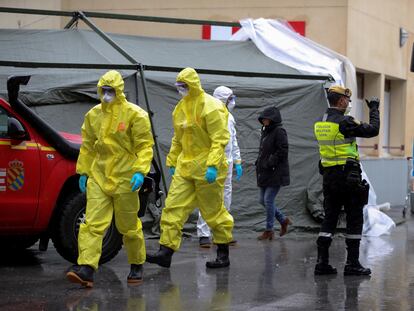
(108, 98)
(348, 109)
(182, 90)
(231, 104)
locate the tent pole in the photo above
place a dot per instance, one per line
(150, 113)
(154, 19)
(104, 36)
(73, 21)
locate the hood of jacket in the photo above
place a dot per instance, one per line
(271, 113)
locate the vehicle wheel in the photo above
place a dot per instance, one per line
(65, 235)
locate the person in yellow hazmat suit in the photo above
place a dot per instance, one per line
(115, 155)
(198, 166)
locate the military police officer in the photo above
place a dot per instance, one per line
(343, 186)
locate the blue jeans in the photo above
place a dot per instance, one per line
(267, 199)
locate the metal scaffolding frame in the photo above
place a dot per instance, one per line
(135, 65)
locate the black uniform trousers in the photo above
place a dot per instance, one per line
(338, 194)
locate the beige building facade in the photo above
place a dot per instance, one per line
(366, 31)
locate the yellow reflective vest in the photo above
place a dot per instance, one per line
(334, 148)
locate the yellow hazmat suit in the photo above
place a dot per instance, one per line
(200, 136)
(116, 143)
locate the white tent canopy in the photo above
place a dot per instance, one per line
(277, 40)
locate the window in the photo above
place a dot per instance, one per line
(4, 117)
(359, 104)
(360, 85)
(386, 118)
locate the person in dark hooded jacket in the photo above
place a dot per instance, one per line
(272, 168)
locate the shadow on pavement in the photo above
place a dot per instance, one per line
(23, 257)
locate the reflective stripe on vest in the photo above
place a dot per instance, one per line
(334, 148)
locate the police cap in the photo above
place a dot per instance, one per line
(340, 90)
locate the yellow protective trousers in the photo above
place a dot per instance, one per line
(100, 208)
(184, 195)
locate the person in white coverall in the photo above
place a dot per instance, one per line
(232, 152)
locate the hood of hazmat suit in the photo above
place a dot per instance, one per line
(116, 140)
(222, 93)
(200, 131)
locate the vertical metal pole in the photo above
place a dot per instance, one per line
(136, 88)
(150, 113)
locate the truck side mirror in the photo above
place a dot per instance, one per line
(15, 129)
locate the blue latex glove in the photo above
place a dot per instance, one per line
(239, 171)
(172, 171)
(136, 181)
(211, 174)
(82, 183)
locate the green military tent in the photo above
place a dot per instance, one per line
(63, 95)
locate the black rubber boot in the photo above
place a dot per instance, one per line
(81, 274)
(353, 266)
(135, 275)
(322, 266)
(162, 257)
(222, 259)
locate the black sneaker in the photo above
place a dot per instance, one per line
(324, 269)
(205, 242)
(356, 269)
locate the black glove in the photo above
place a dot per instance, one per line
(373, 103)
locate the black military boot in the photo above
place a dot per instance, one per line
(222, 259)
(81, 274)
(135, 275)
(162, 257)
(322, 266)
(353, 266)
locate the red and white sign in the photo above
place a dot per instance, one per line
(299, 27)
(218, 32)
(210, 32)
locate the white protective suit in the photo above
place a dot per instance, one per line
(232, 152)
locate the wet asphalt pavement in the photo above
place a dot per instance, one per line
(271, 275)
